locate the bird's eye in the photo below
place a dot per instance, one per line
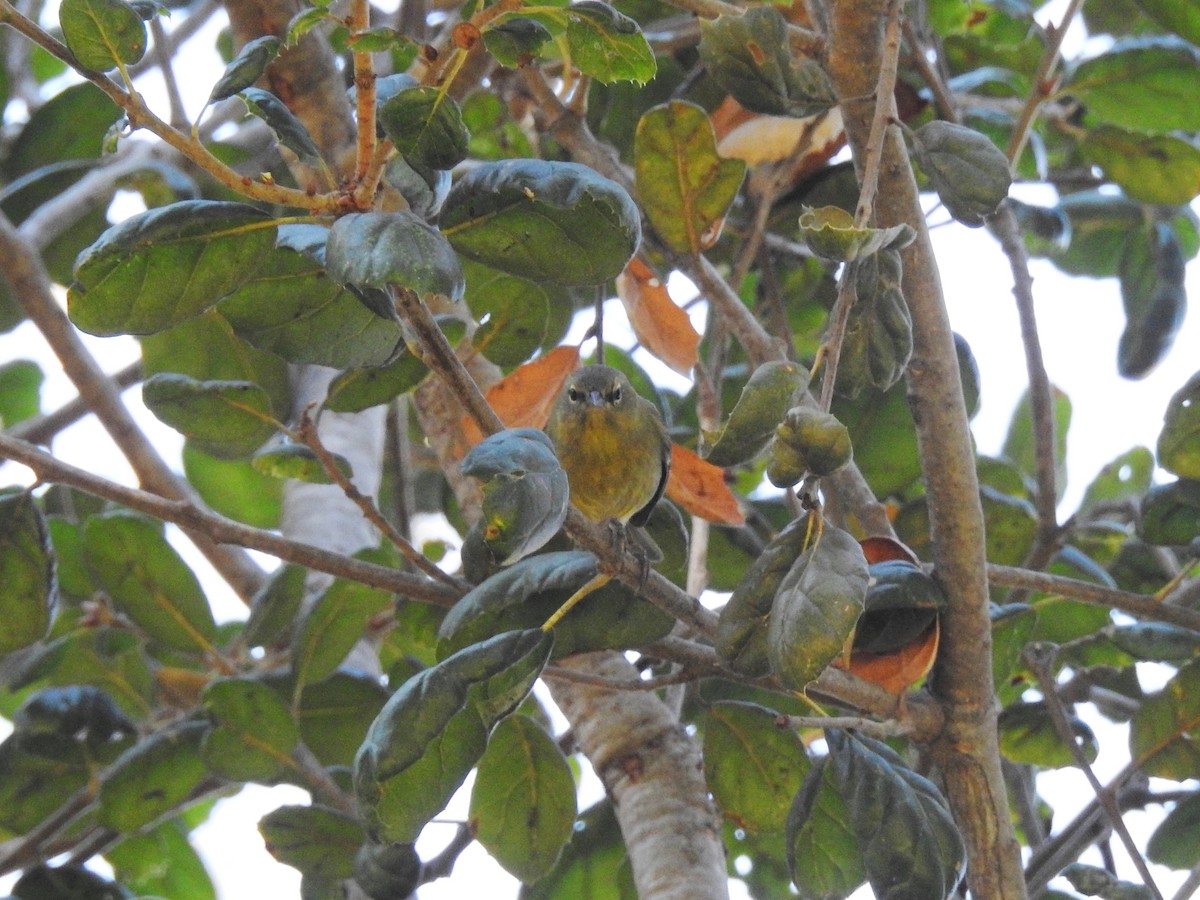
(574, 395)
(614, 396)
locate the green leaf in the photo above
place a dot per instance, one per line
(878, 341)
(516, 316)
(772, 389)
(515, 42)
(30, 593)
(523, 801)
(595, 864)
(1159, 169)
(748, 56)
(1170, 513)
(814, 612)
(1126, 477)
(225, 419)
(1019, 443)
(152, 778)
(254, 731)
(1156, 641)
(1176, 841)
(34, 785)
(148, 580)
(901, 605)
(1154, 296)
(287, 460)
(1146, 84)
(290, 307)
(387, 870)
(1012, 627)
(335, 714)
(548, 221)
(359, 389)
(822, 853)
(685, 186)
(1178, 16)
(1179, 440)
(753, 763)
(807, 441)
(377, 250)
(247, 67)
(883, 437)
(970, 173)
(1028, 735)
(426, 126)
(161, 862)
(102, 34)
(608, 45)
(20, 391)
(108, 658)
(233, 488)
(290, 131)
(319, 841)
(909, 843)
(332, 625)
(742, 626)
(830, 233)
(527, 593)
(435, 728)
(165, 266)
(274, 608)
(1162, 735)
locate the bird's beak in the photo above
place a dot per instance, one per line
(595, 398)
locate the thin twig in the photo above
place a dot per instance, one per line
(42, 429)
(1039, 661)
(882, 730)
(192, 518)
(163, 59)
(885, 113)
(1040, 87)
(942, 98)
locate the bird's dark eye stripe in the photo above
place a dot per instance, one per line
(575, 394)
(614, 394)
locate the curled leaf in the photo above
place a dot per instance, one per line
(830, 233)
(970, 173)
(807, 441)
(773, 388)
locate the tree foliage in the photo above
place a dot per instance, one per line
(423, 203)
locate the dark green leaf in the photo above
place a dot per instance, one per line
(152, 778)
(1028, 735)
(34, 785)
(102, 34)
(274, 608)
(106, 657)
(1170, 514)
(233, 488)
(909, 843)
(527, 593)
(247, 67)
(807, 441)
(773, 389)
(225, 419)
(742, 626)
(884, 438)
(424, 188)
(67, 881)
(1176, 841)
(290, 131)
(515, 42)
(1156, 641)
(1179, 440)
(161, 863)
(748, 56)
(818, 602)
(547, 221)
(82, 713)
(822, 853)
(377, 250)
(20, 391)
(1162, 735)
(1144, 84)
(359, 389)
(165, 266)
(332, 625)
(387, 870)
(902, 603)
(426, 126)
(685, 187)
(254, 731)
(524, 491)
(595, 864)
(878, 341)
(290, 307)
(29, 592)
(516, 316)
(523, 801)
(435, 728)
(319, 841)
(1154, 296)
(754, 764)
(1151, 168)
(970, 173)
(1012, 628)
(335, 714)
(1178, 16)
(608, 45)
(1019, 443)
(148, 580)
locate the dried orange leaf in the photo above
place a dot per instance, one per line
(524, 397)
(900, 669)
(699, 487)
(662, 327)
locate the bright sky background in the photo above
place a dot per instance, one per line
(1080, 322)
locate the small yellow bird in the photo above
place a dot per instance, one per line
(613, 445)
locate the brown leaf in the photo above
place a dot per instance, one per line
(699, 487)
(662, 327)
(882, 549)
(898, 670)
(524, 397)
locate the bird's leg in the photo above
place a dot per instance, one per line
(594, 585)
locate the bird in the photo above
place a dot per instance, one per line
(612, 444)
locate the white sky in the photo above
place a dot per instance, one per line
(1080, 322)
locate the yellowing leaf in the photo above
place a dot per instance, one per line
(662, 327)
(699, 487)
